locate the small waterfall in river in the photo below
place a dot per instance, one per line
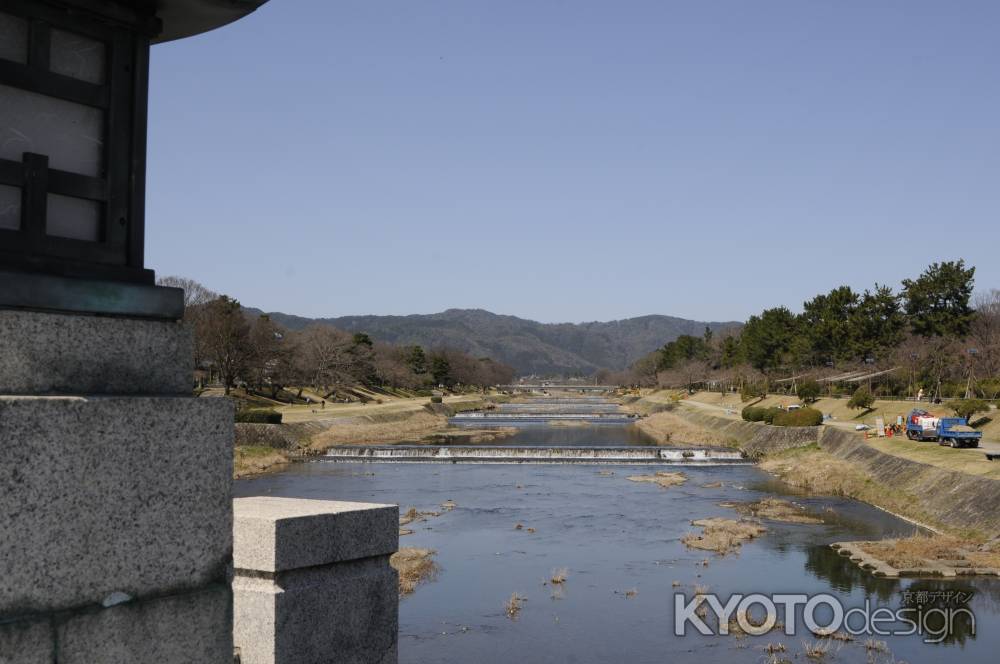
(525, 454)
(538, 418)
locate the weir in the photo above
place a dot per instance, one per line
(622, 455)
(509, 419)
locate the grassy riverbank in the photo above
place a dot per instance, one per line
(819, 472)
(951, 491)
(843, 416)
(310, 430)
(256, 459)
(668, 428)
(967, 461)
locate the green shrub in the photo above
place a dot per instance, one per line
(968, 407)
(770, 414)
(759, 414)
(862, 399)
(803, 417)
(436, 400)
(808, 391)
(258, 416)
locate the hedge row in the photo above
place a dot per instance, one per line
(759, 414)
(803, 417)
(258, 416)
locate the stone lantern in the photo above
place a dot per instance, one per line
(74, 80)
(115, 482)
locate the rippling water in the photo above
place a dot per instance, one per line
(614, 536)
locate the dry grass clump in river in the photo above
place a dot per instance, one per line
(663, 478)
(414, 565)
(776, 509)
(750, 626)
(513, 606)
(559, 576)
(934, 551)
(413, 516)
(722, 535)
(816, 649)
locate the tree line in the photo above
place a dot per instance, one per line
(931, 335)
(234, 348)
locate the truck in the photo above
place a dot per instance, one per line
(953, 431)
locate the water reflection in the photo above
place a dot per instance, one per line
(934, 602)
(837, 570)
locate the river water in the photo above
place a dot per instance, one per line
(621, 544)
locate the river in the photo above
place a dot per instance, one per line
(620, 543)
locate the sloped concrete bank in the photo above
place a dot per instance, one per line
(754, 438)
(956, 500)
(943, 499)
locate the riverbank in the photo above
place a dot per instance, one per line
(730, 405)
(949, 493)
(304, 433)
(668, 428)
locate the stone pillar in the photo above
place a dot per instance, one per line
(115, 495)
(313, 582)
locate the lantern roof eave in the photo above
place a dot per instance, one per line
(186, 18)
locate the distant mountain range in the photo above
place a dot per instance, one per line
(530, 347)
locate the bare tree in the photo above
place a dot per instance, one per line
(224, 333)
(929, 362)
(194, 293)
(196, 298)
(985, 335)
(393, 367)
(270, 363)
(332, 358)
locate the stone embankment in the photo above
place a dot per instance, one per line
(946, 500)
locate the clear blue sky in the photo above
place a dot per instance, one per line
(575, 160)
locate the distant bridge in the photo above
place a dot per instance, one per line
(524, 387)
